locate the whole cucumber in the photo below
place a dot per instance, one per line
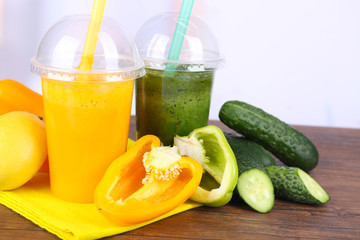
(243, 147)
(289, 145)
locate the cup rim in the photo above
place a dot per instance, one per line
(123, 73)
(149, 62)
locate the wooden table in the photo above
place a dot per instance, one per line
(338, 172)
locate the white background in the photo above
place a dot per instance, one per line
(298, 60)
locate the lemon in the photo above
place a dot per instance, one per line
(22, 148)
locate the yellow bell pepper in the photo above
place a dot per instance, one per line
(15, 96)
(146, 182)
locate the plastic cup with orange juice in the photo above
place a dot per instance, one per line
(87, 110)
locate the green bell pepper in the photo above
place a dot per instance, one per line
(210, 148)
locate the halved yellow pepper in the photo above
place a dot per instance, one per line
(146, 182)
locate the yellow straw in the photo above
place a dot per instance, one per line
(92, 35)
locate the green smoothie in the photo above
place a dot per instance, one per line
(168, 106)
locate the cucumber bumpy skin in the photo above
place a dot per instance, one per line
(286, 143)
(242, 146)
(293, 184)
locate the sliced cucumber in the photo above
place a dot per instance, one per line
(291, 183)
(255, 188)
(254, 185)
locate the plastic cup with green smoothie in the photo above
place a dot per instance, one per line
(173, 98)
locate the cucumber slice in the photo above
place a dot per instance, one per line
(256, 189)
(291, 183)
(254, 186)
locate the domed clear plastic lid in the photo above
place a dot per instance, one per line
(60, 51)
(200, 47)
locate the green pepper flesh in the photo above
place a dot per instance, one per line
(218, 161)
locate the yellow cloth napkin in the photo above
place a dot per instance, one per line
(67, 220)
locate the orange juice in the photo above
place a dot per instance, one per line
(87, 125)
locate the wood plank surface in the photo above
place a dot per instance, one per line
(338, 172)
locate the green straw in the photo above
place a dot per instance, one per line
(179, 34)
